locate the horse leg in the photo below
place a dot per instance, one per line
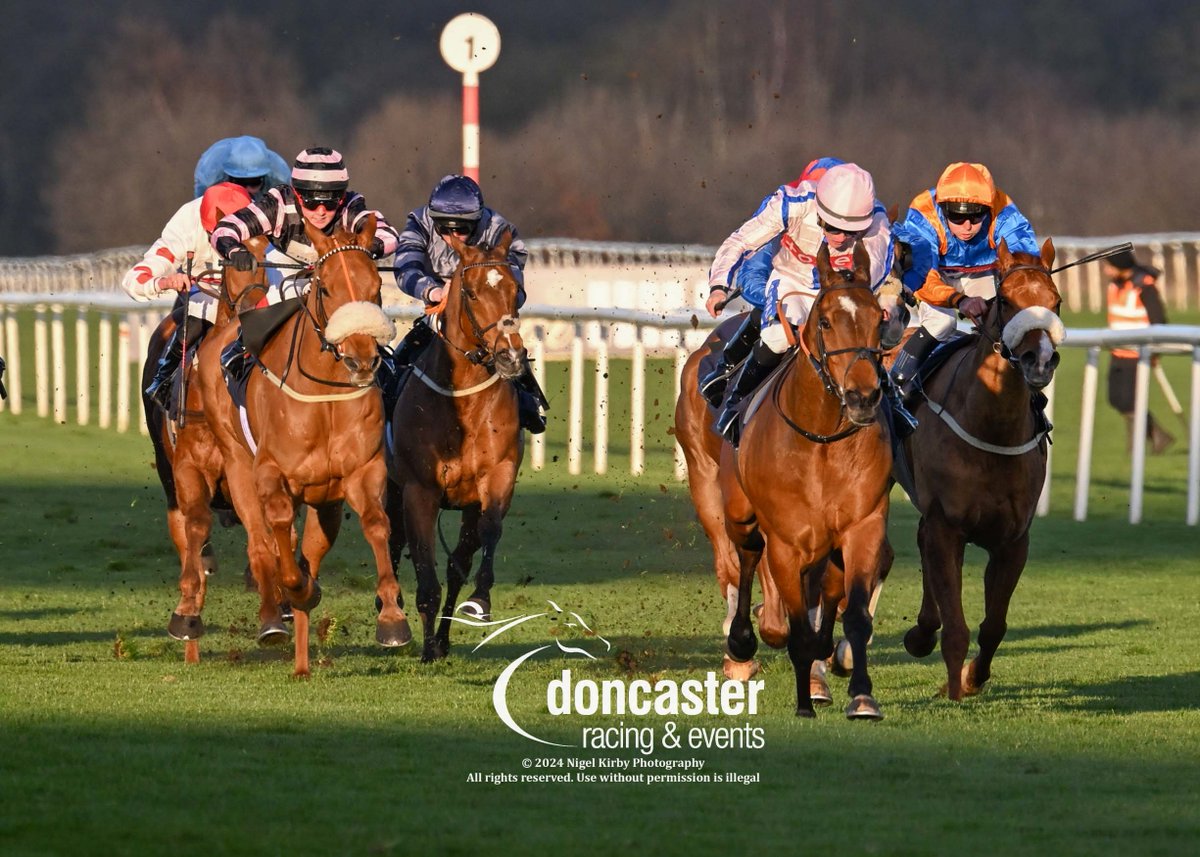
(865, 553)
(1004, 568)
(803, 642)
(843, 655)
(191, 525)
(260, 548)
(366, 493)
(458, 569)
(740, 642)
(942, 549)
(300, 587)
(394, 506)
(420, 522)
(921, 638)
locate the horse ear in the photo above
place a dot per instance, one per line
(320, 241)
(456, 243)
(258, 246)
(824, 268)
(504, 241)
(366, 233)
(1048, 253)
(1003, 257)
(862, 263)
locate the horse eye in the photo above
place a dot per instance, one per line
(824, 323)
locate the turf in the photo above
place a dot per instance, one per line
(1084, 742)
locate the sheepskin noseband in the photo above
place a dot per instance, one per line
(1033, 318)
(360, 317)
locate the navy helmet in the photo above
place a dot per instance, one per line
(456, 198)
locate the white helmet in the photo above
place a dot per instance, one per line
(846, 197)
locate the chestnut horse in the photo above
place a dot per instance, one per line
(190, 466)
(979, 462)
(702, 451)
(810, 482)
(457, 441)
(315, 431)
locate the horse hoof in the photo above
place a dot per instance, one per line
(208, 559)
(285, 612)
(393, 634)
(740, 670)
(272, 633)
(818, 690)
(185, 627)
(843, 659)
(807, 713)
(863, 707)
(476, 608)
(434, 651)
(918, 643)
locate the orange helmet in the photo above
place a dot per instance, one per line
(965, 188)
(225, 197)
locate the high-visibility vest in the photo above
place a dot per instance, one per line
(1126, 311)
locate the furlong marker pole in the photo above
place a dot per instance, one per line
(470, 123)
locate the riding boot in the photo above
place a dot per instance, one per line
(909, 360)
(236, 360)
(1041, 423)
(414, 342)
(903, 422)
(758, 365)
(713, 385)
(387, 380)
(3, 392)
(531, 401)
(159, 389)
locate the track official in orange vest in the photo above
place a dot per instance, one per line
(1133, 302)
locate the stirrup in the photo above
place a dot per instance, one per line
(728, 425)
(714, 384)
(159, 390)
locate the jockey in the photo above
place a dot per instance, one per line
(163, 270)
(425, 262)
(954, 229)
(318, 195)
(751, 278)
(242, 160)
(838, 210)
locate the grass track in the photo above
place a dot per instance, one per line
(1087, 740)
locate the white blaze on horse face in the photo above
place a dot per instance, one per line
(494, 277)
(848, 305)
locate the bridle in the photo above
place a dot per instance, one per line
(998, 344)
(820, 363)
(484, 354)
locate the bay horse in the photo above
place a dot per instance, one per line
(190, 466)
(978, 463)
(809, 484)
(456, 438)
(702, 450)
(314, 431)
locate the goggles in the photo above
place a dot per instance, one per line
(457, 227)
(833, 230)
(958, 217)
(314, 199)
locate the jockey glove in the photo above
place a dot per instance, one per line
(377, 248)
(242, 259)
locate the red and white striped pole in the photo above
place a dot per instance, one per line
(470, 44)
(470, 122)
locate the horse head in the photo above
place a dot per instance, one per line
(1024, 316)
(344, 299)
(842, 334)
(241, 290)
(481, 309)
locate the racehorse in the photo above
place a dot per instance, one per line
(702, 451)
(314, 431)
(456, 438)
(810, 483)
(978, 463)
(190, 467)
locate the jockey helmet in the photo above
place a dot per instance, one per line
(248, 158)
(456, 198)
(965, 189)
(225, 197)
(846, 197)
(319, 177)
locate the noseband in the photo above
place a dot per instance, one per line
(998, 344)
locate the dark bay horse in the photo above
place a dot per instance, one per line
(979, 462)
(315, 420)
(457, 441)
(809, 483)
(190, 467)
(702, 450)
